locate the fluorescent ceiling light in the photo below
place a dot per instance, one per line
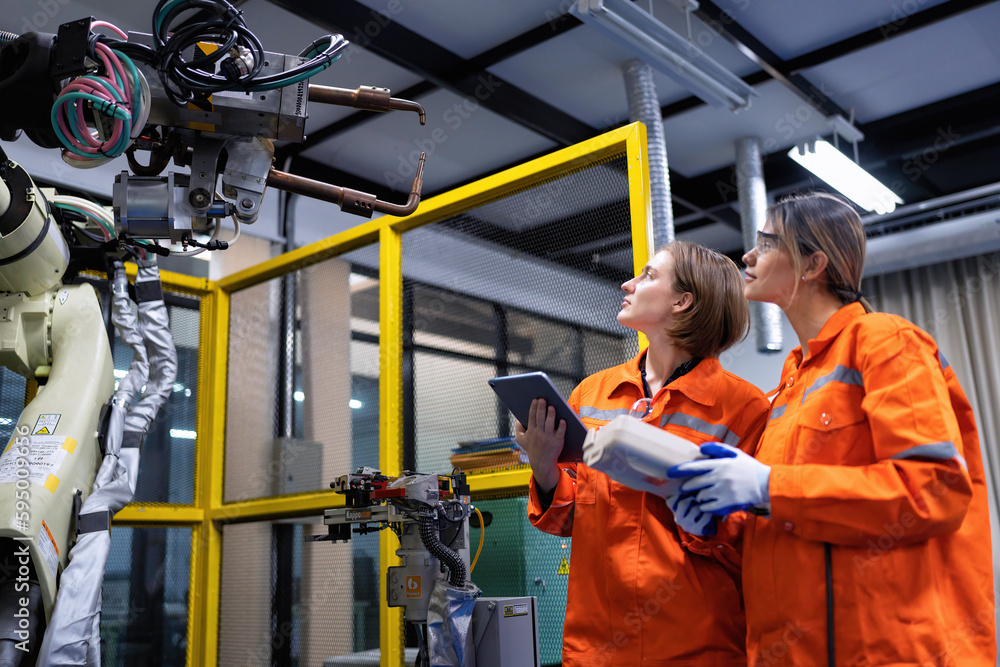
(841, 172)
(652, 41)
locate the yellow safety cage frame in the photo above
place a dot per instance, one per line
(208, 513)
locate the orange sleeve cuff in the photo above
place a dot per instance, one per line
(557, 519)
(785, 491)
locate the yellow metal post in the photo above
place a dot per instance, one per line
(206, 549)
(206, 540)
(390, 419)
(640, 206)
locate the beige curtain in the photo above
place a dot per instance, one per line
(958, 303)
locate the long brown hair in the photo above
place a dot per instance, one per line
(817, 221)
(719, 317)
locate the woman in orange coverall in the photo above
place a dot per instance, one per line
(636, 597)
(869, 538)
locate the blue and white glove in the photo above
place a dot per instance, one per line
(731, 480)
(689, 517)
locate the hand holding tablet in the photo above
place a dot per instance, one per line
(518, 391)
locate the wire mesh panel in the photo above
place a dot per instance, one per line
(518, 560)
(290, 603)
(166, 469)
(302, 402)
(529, 281)
(145, 593)
(12, 388)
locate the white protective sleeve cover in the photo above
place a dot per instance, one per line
(638, 454)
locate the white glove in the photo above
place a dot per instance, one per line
(689, 517)
(729, 481)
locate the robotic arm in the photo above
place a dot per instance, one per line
(430, 516)
(419, 509)
(205, 95)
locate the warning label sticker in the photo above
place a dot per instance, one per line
(46, 425)
(563, 566)
(515, 610)
(37, 460)
(47, 547)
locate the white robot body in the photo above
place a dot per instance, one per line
(33, 252)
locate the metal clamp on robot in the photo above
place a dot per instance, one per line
(204, 95)
(430, 516)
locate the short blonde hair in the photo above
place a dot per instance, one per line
(719, 317)
(818, 221)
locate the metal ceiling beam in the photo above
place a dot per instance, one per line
(483, 61)
(765, 58)
(789, 69)
(382, 35)
(939, 132)
(897, 26)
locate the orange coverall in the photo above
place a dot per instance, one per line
(636, 597)
(874, 456)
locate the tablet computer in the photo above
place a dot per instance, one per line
(517, 391)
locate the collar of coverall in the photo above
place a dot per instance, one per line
(830, 330)
(700, 384)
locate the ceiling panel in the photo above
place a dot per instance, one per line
(715, 235)
(918, 68)
(580, 72)
(462, 140)
(283, 32)
(464, 27)
(790, 28)
(703, 139)
(554, 72)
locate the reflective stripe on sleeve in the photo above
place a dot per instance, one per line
(944, 362)
(717, 431)
(606, 415)
(777, 412)
(936, 450)
(839, 374)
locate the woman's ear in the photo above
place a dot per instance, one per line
(815, 265)
(683, 302)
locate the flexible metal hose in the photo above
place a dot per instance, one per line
(643, 105)
(451, 559)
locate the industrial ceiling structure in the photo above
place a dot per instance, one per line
(504, 82)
